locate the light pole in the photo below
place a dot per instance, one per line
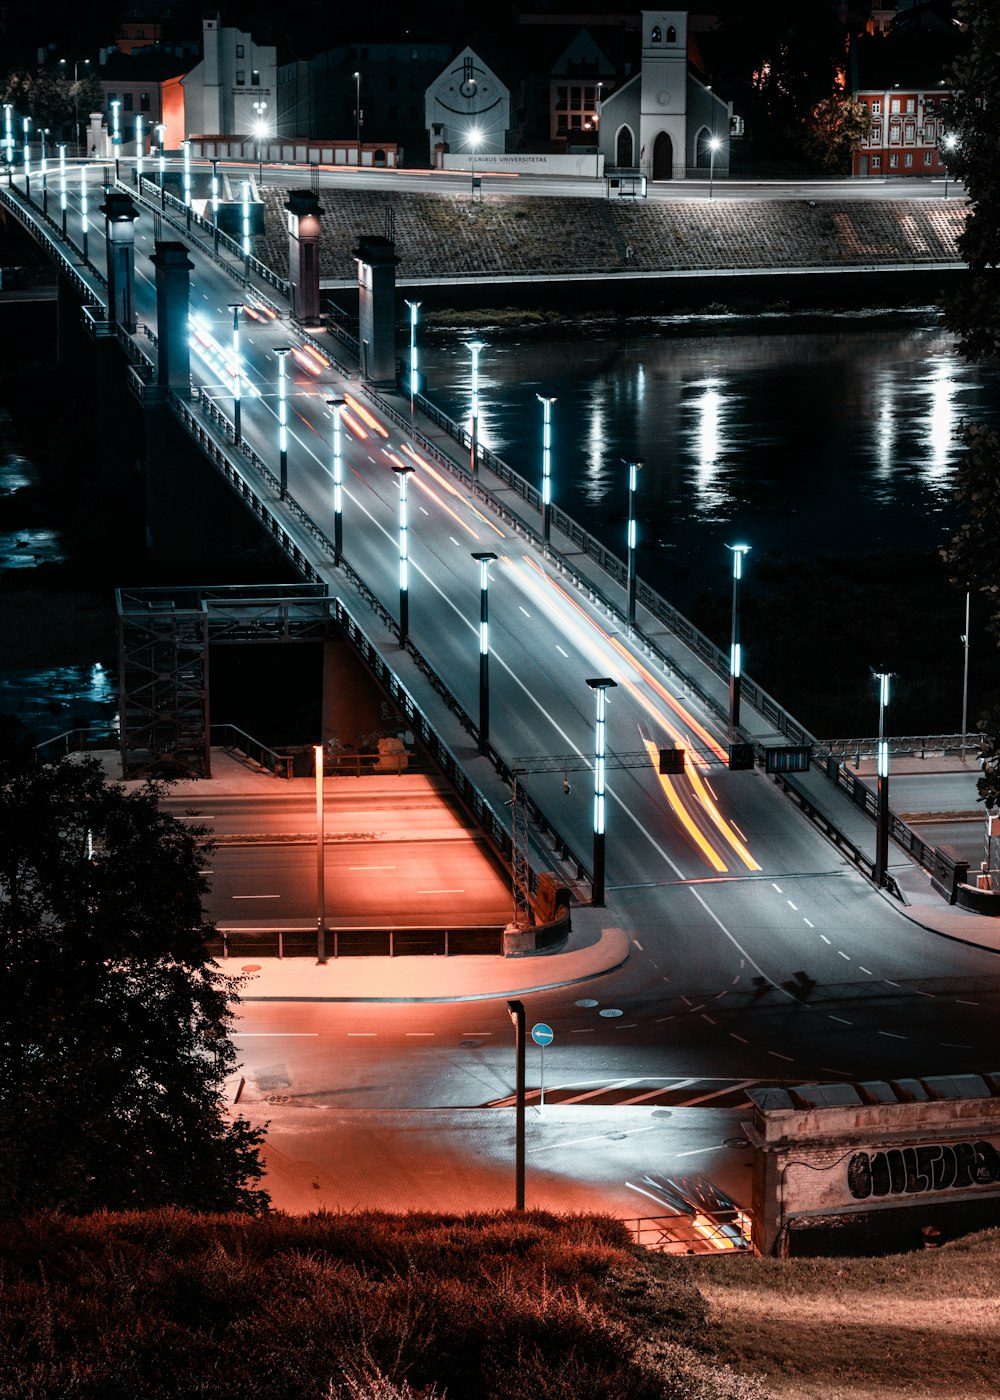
(474, 347)
(735, 648)
(634, 468)
(949, 143)
(83, 208)
(8, 136)
(338, 481)
(246, 230)
(260, 130)
(139, 153)
(186, 148)
(236, 307)
(882, 764)
(320, 858)
(484, 558)
(161, 132)
(546, 467)
(965, 675)
(474, 139)
(597, 128)
(414, 308)
(600, 686)
(357, 114)
(43, 131)
(402, 472)
(215, 202)
(116, 131)
(714, 142)
(76, 95)
(62, 184)
(515, 1010)
(282, 353)
(25, 124)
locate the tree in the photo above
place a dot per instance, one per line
(114, 1020)
(87, 96)
(836, 128)
(973, 313)
(41, 96)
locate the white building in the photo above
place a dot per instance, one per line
(662, 119)
(234, 87)
(468, 108)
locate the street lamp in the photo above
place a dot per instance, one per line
(546, 467)
(282, 353)
(634, 468)
(186, 148)
(62, 184)
(714, 142)
(882, 765)
(949, 143)
(474, 347)
(597, 128)
(484, 558)
(965, 675)
(236, 307)
(414, 308)
(260, 130)
(600, 685)
(474, 139)
(402, 472)
(246, 229)
(320, 858)
(338, 481)
(161, 132)
(8, 135)
(116, 131)
(735, 648)
(215, 201)
(515, 1010)
(83, 208)
(138, 154)
(43, 131)
(76, 95)
(27, 158)
(357, 115)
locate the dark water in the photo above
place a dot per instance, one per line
(835, 435)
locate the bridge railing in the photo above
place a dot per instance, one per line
(230, 736)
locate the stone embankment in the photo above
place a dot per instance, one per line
(441, 236)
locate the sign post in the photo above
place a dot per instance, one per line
(542, 1035)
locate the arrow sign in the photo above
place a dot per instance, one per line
(541, 1034)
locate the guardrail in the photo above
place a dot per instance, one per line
(230, 736)
(919, 745)
(721, 1232)
(80, 740)
(352, 942)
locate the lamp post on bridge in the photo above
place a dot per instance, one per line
(600, 686)
(634, 468)
(62, 184)
(236, 307)
(474, 347)
(139, 153)
(8, 140)
(282, 352)
(186, 148)
(43, 168)
(402, 472)
(357, 116)
(215, 201)
(546, 467)
(735, 646)
(484, 559)
(882, 768)
(949, 143)
(116, 131)
(338, 480)
(260, 131)
(25, 124)
(161, 132)
(83, 209)
(714, 142)
(414, 308)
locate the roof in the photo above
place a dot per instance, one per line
(148, 65)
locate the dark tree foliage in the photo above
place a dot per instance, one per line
(41, 95)
(973, 313)
(114, 1021)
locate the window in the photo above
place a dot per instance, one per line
(911, 106)
(144, 102)
(656, 35)
(575, 97)
(414, 53)
(561, 122)
(893, 162)
(894, 132)
(876, 107)
(671, 34)
(930, 132)
(127, 102)
(928, 157)
(910, 133)
(239, 50)
(562, 97)
(894, 106)
(241, 78)
(908, 159)
(876, 162)
(255, 77)
(877, 135)
(575, 121)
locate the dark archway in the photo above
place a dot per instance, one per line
(663, 157)
(624, 153)
(703, 149)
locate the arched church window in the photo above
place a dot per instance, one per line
(671, 35)
(656, 35)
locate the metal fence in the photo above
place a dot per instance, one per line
(478, 940)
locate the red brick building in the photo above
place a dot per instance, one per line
(907, 133)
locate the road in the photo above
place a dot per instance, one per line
(758, 954)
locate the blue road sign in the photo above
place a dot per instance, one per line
(542, 1034)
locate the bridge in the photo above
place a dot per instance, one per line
(633, 754)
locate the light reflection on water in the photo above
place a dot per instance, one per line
(840, 438)
(58, 698)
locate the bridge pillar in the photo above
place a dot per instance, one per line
(173, 285)
(376, 257)
(68, 333)
(120, 215)
(303, 209)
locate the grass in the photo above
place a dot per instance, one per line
(900, 1328)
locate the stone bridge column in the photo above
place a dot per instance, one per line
(376, 257)
(120, 215)
(303, 209)
(173, 285)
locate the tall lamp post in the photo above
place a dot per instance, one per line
(515, 1010)
(246, 230)
(475, 346)
(186, 148)
(338, 480)
(215, 202)
(402, 473)
(473, 140)
(600, 685)
(161, 133)
(320, 858)
(43, 168)
(8, 135)
(76, 95)
(62, 184)
(25, 124)
(634, 468)
(260, 130)
(116, 130)
(83, 209)
(140, 153)
(282, 353)
(484, 559)
(357, 114)
(714, 142)
(236, 307)
(414, 308)
(882, 765)
(949, 143)
(546, 467)
(735, 646)
(965, 674)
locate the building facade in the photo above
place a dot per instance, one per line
(907, 133)
(467, 109)
(233, 90)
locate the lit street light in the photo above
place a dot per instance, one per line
(139, 153)
(414, 308)
(882, 765)
(282, 354)
(546, 467)
(600, 686)
(338, 480)
(236, 307)
(43, 131)
(215, 202)
(186, 148)
(320, 858)
(474, 140)
(83, 209)
(357, 113)
(484, 558)
(515, 1010)
(402, 472)
(8, 136)
(260, 131)
(246, 230)
(949, 143)
(475, 346)
(62, 184)
(965, 675)
(27, 159)
(735, 647)
(116, 131)
(161, 132)
(630, 538)
(714, 142)
(76, 95)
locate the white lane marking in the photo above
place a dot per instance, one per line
(440, 891)
(272, 1035)
(808, 922)
(372, 1034)
(756, 966)
(256, 896)
(579, 1142)
(864, 969)
(792, 906)
(778, 1056)
(423, 510)
(723, 993)
(413, 1034)
(696, 1151)
(560, 650)
(741, 1038)
(951, 1045)
(472, 1033)
(966, 1003)
(708, 1019)
(888, 983)
(717, 1093)
(589, 1030)
(524, 610)
(843, 955)
(454, 542)
(919, 993)
(841, 1020)
(371, 867)
(824, 938)
(892, 1035)
(625, 1025)
(775, 887)
(661, 1019)
(638, 944)
(604, 1089)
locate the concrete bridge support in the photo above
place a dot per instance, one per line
(303, 209)
(376, 258)
(173, 375)
(120, 215)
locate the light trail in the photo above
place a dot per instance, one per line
(365, 416)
